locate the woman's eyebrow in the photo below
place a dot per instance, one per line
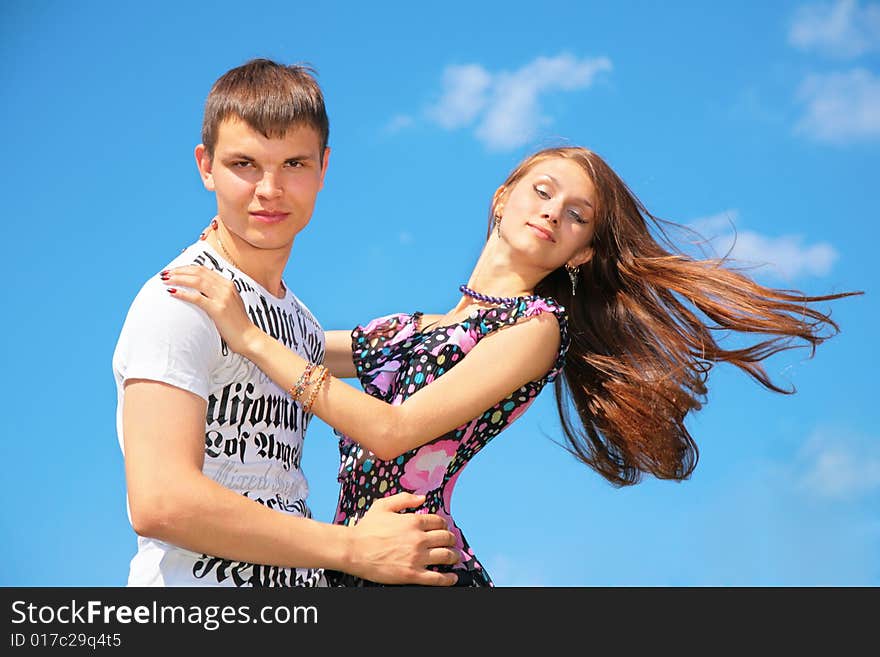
(556, 183)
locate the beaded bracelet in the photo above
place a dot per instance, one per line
(307, 408)
(299, 387)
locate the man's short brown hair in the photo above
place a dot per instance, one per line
(270, 97)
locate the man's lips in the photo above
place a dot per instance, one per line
(543, 233)
(269, 217)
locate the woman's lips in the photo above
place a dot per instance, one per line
(542, 233)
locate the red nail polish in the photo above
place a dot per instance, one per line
(203, 236)
(214, 224)
(171, 290)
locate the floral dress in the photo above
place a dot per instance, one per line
(394, 358)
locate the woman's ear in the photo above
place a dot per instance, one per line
(498, 201)
(582, 257)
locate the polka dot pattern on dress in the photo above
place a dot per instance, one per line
(394, 359)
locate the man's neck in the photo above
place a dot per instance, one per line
(265, 266)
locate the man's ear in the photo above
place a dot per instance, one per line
(205, 165)
(324, 161)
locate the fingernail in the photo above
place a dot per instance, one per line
(164, 272)
(214, 224)
(203, 236)
(171, 290)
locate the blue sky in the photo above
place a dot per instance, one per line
(764, 116)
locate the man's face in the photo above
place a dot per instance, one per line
(265, 187)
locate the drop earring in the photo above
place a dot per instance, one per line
(498, 225)
(573, 275)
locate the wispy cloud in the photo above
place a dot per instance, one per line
(840, 29)
(465, 94)
(787, 256)
(839, 464)
(840, 107)
(505, 107)
(398, 123)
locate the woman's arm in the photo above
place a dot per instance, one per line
(337, 354)
(497, 366)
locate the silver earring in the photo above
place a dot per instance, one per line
(573, 275)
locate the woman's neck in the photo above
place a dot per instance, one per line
(497, 274)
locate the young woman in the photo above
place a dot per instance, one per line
(570, 281)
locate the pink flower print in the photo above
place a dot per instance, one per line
(447, 492)
(383, 375)
(379, 321)
(403, 334)
(456, 532)
(538, 306)
(425, 470)
(464, 339)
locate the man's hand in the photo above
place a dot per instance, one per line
(394, 548)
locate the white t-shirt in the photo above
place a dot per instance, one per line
(253, 430)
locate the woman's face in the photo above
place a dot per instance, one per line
(549, 214)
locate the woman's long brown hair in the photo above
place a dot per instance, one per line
(643, 325)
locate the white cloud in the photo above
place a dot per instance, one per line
(840, 107)
(464, 96)
(506, 105)
(838, 464)
(841, 29)
(787, 256)
(711, 225)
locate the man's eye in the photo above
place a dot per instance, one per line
(294, 163)
(241, 164)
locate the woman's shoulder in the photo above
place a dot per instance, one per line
(527, 307)
(387, 326)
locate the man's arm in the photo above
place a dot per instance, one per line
(172, 500)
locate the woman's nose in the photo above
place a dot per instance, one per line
(550, 215)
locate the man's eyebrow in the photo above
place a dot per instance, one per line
(556, 182)
(245, 156)
(304, 156)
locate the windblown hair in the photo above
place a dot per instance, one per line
(270, 97)
(643, 325)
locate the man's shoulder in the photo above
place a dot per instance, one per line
(153, 307)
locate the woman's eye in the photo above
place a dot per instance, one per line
(542, 192)
(577, 217)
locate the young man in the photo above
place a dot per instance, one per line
(212, 447)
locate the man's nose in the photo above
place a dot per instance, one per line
(268, 185)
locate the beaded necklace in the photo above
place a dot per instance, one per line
(464, 289)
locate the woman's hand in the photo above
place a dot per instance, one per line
(218, 297)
